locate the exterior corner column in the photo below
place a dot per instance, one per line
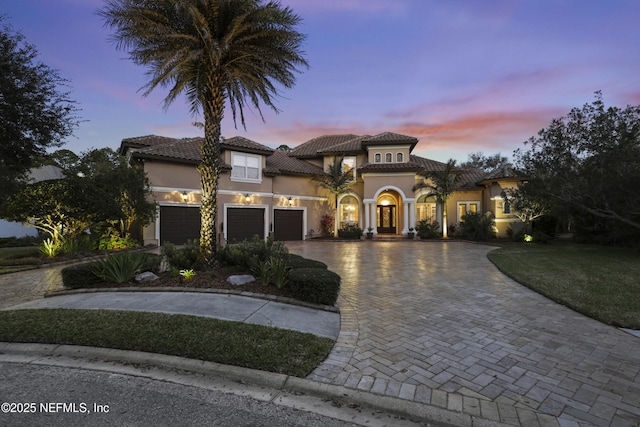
(372, 206)
(412, 214)
(405, 218)
(367, 215)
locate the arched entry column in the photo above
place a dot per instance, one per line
(370, 215)
(385, 207)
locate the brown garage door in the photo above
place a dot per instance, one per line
(287, 224)
(244, 223)
(179, 224)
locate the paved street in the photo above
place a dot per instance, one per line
(436, 322)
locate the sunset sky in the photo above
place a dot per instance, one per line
(460, 75)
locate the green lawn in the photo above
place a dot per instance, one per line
(232, 343)
(19, 258)
(598, 281)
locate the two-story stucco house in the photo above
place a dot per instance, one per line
(265, 191)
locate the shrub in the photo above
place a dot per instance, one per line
(350, 232)
(50, 248)
(116, 242)
(315, 285)
(247, 254)
(280, 271)
(79, 276)
(118, 268)
(477, 226)
(428, 230)
(83, 275)
(185, 258)
(296, 261)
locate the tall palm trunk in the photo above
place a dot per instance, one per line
(445, 226)
(209, 170)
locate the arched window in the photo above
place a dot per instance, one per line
(377, 158)
(388, 158)
(399, 158)
(426, 208)
(348, 212)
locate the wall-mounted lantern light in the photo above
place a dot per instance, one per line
(185, 196)
(290, 201)
(247, 198)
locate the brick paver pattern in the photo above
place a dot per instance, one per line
(438, 323)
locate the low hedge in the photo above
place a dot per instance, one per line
(314, 285)
(296, 261)
(79, 276)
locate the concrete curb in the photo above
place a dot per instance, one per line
(345, 403)
(284, 300)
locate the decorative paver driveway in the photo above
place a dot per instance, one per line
(436, 322)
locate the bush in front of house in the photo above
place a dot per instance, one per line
(296, 261)
(350, 232)
(79, 276)
(478, 226)
(428, 230)
(314, 285)
(249, 253)
(112, 268)
(185, 258)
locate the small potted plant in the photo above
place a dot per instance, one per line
(411, 234)
(369, 232)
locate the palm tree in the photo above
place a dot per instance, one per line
(213, 51)
(336, 180)
(443, 183)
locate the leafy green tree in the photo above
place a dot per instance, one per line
(487, 163)
(34, 113)
(111, 191)
(214, 51)
(443, 183)
(588, 163)
(526, 203)
(100, 191)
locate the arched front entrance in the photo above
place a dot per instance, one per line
(387, 212)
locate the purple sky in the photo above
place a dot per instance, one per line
(460, 75)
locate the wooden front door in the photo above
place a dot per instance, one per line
(387, 219)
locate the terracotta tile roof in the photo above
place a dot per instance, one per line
(469, 179)
(312, 147)
(280, 162)
(144, 141)
(390, 138)
(245, 145)
(409, 166)
(183, 150)
(505, 172)
(427, 165)
(352, 146)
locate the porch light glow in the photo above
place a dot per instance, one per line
(185, 196)
(247, 198)
(385, 202)
(290, 201)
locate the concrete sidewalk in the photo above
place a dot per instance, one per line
(220, 306)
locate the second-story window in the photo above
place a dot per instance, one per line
(388, 158)
(377, 158)
(349, 165)
(245, 167)
(399, 158)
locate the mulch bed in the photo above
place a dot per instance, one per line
(214, 279)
